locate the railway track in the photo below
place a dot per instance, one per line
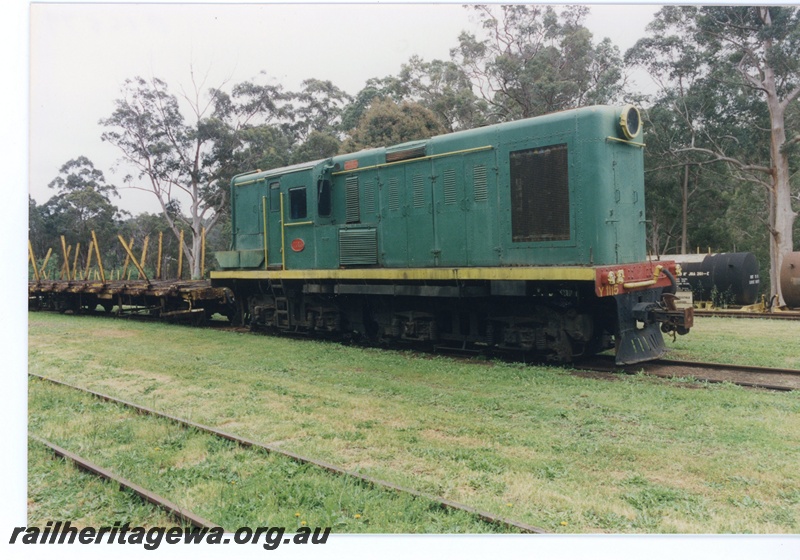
(245, 442)
(776, 379)
(781, 315)
(179, 513)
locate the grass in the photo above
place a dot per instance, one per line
(223, 482)
(754, 342)
(536, 444)
(59, 490)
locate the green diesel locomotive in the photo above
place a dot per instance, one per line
(528, 235)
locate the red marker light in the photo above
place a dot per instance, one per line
(298, 245)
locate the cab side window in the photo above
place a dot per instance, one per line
(297, 203)
(324, 198)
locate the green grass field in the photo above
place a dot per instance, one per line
(571, 454)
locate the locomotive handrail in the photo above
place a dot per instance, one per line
(644, 283)
(434, 156)
(264, 213)
(283, 237)
(637, 144)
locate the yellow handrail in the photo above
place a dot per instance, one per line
(266, 249)
(644, 283)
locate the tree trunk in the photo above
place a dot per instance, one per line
(197, 239)
(781, 215)
(685, 210)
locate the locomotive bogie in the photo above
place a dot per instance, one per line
(553, 321)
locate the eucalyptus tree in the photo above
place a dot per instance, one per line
(317, 107)
(387, 123)
(445, 89)
(749, 62)
(534, 59)
(82, 205)
(375, 89)
(169, 154)
(676, 66)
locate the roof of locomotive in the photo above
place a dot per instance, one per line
(256, 175)
(605, 122)
(539, 126)
(485, 136)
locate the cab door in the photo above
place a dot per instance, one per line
(298, 198)
(273, 224)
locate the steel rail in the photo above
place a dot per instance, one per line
(734, 368)
(173, 509)
(782, 315)
(245, 442)
(731, 367)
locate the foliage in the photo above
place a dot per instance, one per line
(537, 60)
(318, 110)
(318, 145)
(386, 123)
(82, 205)
(445, 89)
(730, 77)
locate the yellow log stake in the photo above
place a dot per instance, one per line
(44, 264)
(158, 264)
(144, 251)
(99, 260)
(65, 264)
(75, 261)
(127, 260)
(65, 268)
(33, 261)
(88, 260)
(180, 257)
(133, 258)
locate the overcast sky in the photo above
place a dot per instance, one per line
(80, 54)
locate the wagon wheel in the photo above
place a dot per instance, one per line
(238, 317)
